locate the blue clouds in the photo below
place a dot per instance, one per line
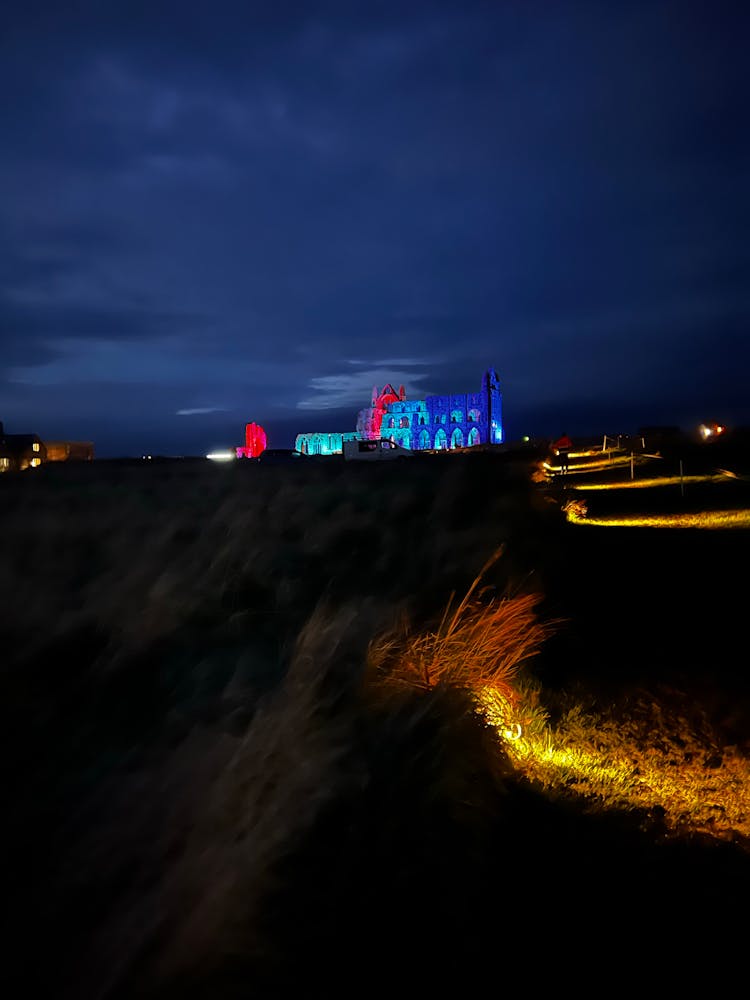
(218, 206)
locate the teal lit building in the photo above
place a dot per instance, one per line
(433, 423)
(321, 443)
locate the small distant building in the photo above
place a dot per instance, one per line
(20, 451)
(28, 451)
(70, 451)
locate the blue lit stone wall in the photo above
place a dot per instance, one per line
(402, 419)
(436, 422)
(455, 421)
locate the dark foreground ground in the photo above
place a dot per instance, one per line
(204, 798)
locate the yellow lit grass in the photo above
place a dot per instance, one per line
(648, 757)
(576, 509)
(654, 481)
(717, 519)
(595, 465)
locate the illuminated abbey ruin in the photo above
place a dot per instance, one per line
(432, 423)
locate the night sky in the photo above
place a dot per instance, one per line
(226, 212)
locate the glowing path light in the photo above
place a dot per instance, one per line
(717, 519)
(497, 708)
(221, 456)
(576, 511)
(595, 466)
(629, 484)
(617, 768)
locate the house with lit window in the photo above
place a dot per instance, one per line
(435, 423)
(21, 451)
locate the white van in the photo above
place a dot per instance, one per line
(374, 451)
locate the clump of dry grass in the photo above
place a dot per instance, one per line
(539, 472)
(658, 757)
(480, 645)
(575, 509)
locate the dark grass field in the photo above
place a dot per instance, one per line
(651, 604)
(206, 798)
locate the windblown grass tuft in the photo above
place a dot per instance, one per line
(482, 642)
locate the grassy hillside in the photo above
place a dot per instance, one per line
(246, 748)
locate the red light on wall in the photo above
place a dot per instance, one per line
(255, 441)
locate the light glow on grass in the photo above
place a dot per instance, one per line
(652, 762)
(650, 757)
(713, 519)
(652, 482)
(596, 465)
(576, 510)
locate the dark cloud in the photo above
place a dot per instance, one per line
(27, 321)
